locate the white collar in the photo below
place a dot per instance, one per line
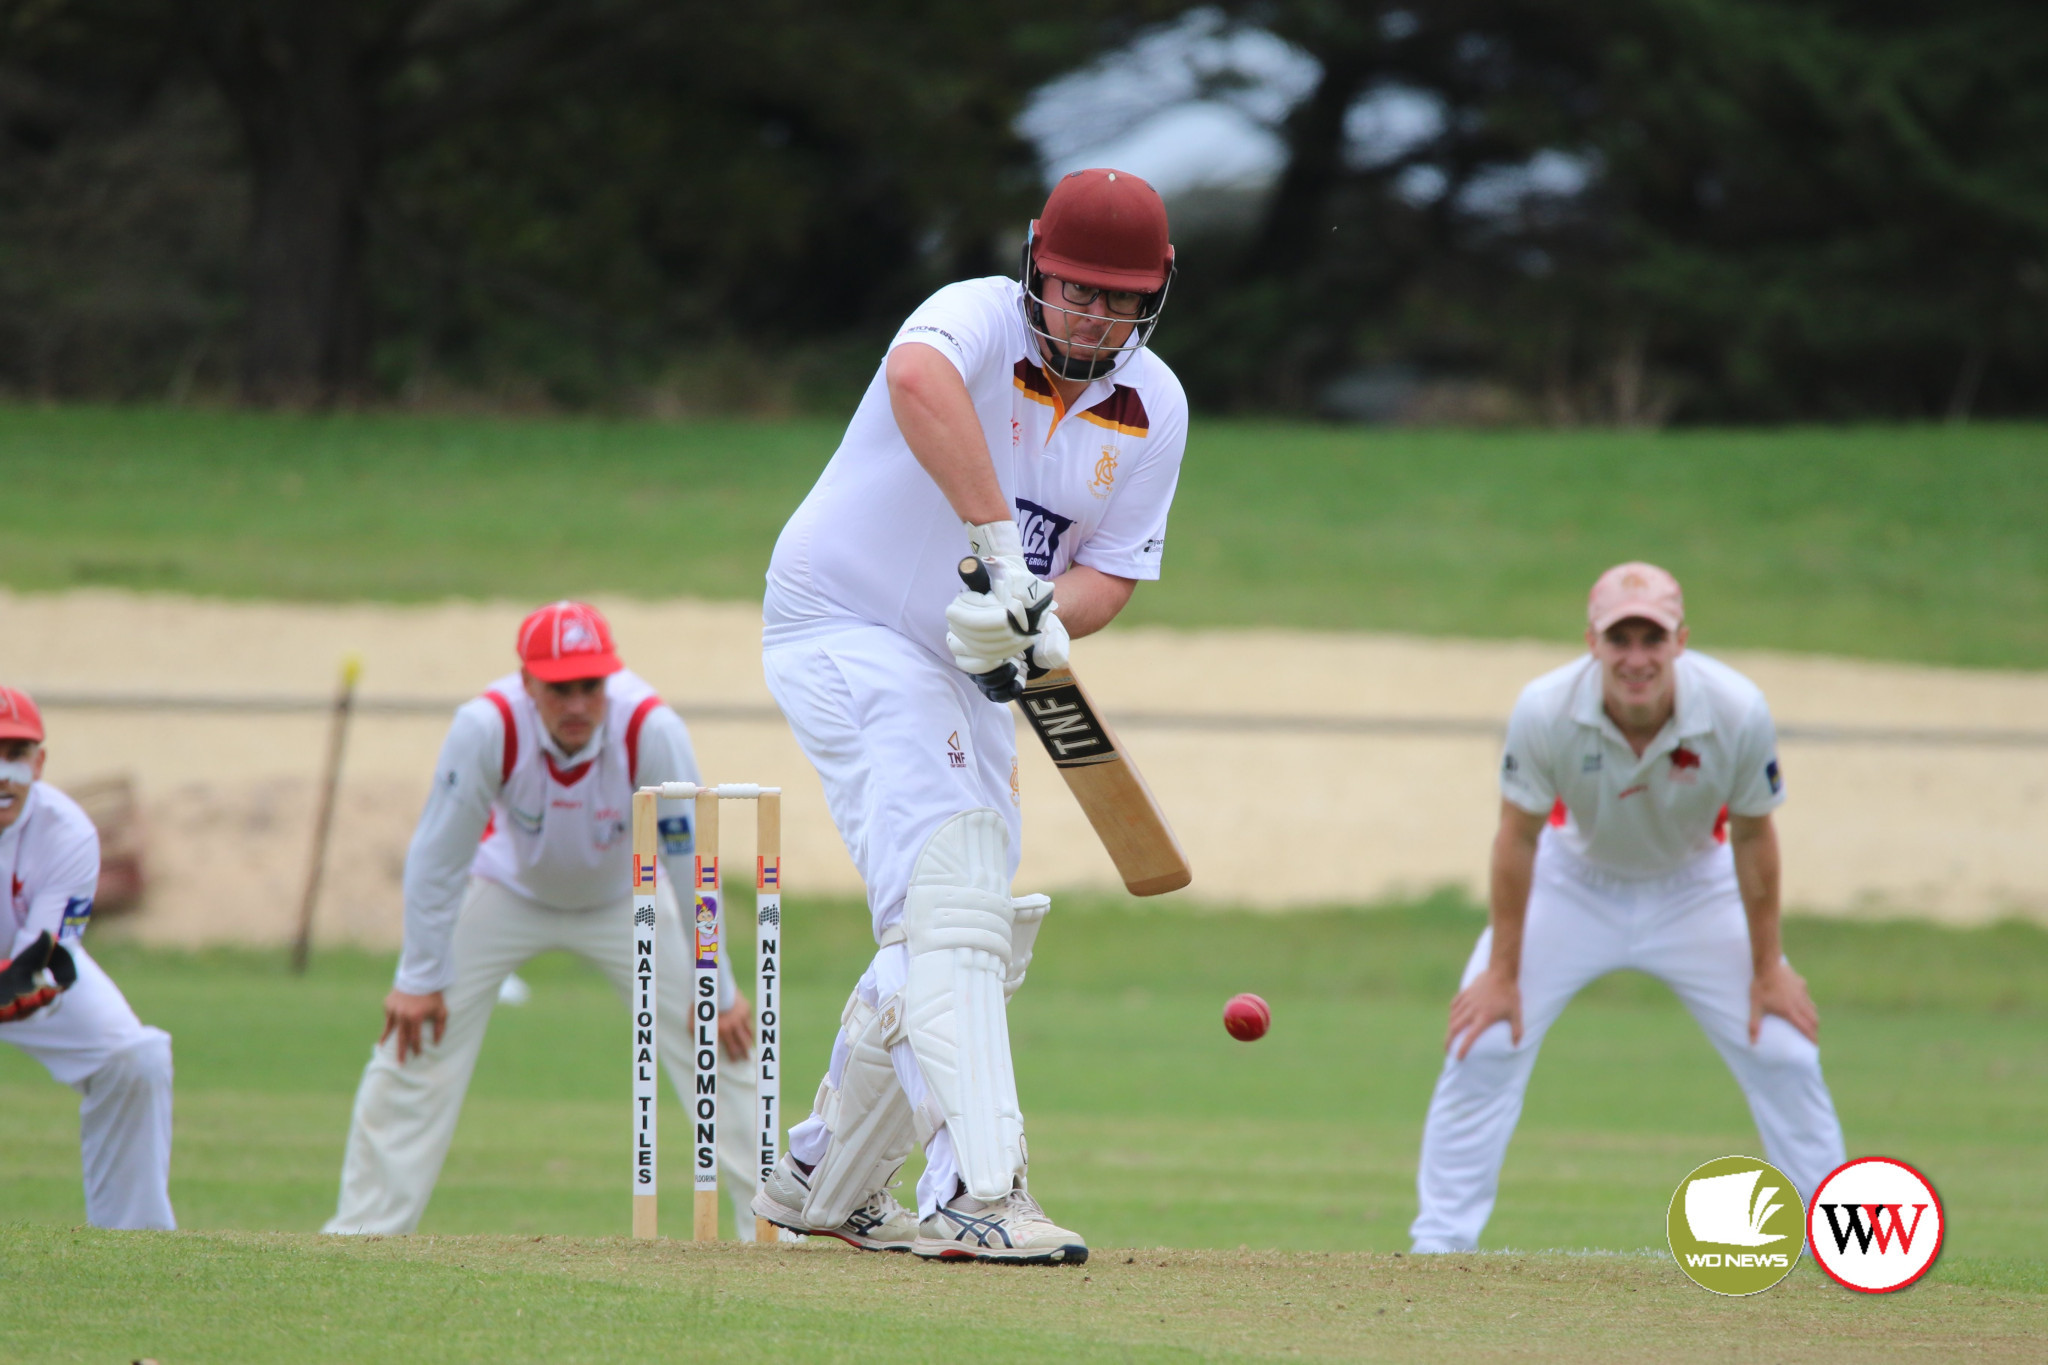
(1690, 716)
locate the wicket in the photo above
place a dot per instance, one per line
(707, 929)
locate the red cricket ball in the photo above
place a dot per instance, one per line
(1247, 1017)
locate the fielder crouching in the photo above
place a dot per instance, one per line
(59, 1007)
(524, 847)
(1635, 833)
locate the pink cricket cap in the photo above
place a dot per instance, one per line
(1635, 589)
(19, 718)
(567, 641)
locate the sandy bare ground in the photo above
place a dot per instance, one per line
(1270, 819)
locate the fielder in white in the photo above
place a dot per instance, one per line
(1022, 421)
(524, 847)
(1635, 832)
(59, 1007)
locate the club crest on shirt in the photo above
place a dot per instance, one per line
(1105, 474)
(1040, 528)
(1685, 765)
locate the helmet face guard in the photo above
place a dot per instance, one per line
(1069, 364)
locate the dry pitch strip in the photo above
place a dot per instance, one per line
(705, 937)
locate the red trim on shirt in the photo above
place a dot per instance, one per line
(511, 735)
(647, 703)
(1558, 813)
(490, 828)
(1721, 826)
(568, 777)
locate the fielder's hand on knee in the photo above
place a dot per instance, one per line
(1781, 991)
(406, 1015)
(1492, 997)
(736, 1029)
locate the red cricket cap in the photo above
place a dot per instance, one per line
(566, 641)
(19, 718)
(1635, 589)
(1104, 228)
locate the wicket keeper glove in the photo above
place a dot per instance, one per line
(42, 973)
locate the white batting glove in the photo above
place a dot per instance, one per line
(986, 628)
(1049, 647)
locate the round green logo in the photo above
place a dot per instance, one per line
(1736, 1225)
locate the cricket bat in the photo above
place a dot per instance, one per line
(1099, 773)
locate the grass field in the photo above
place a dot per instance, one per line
(1906, 543)
(1150, 1128)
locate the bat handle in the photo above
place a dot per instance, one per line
(1003, 682)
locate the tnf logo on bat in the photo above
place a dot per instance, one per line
(767, 874)
(643, 872)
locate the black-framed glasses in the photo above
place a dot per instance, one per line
(1122, 303)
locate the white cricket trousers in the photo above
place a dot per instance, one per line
(89, 1039)
(405, 1115)
(1687, 930)
(903, 741)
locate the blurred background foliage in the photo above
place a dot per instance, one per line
(1622, 212)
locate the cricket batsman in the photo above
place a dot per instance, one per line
(58, 1006)
(1022, 421)
(524, 847)
(1635, 832)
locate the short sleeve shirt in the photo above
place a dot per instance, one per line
(1650, 815)
(876, 540)
(51, 857)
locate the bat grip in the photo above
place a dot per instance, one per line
(974, 574)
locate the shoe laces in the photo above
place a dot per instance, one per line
(883, 1205)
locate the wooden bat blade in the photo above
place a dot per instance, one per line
(1109, 787)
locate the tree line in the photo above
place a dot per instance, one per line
(1607, 210)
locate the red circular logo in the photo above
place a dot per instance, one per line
(1875, 1225)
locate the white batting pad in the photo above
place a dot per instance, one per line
(871, 1122)
(1027, 913)
(958, 917)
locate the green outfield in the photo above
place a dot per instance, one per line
(1150, 1128)
(1915, 543)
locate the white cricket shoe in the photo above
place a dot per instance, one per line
(881, 1224)
(1013, 1229)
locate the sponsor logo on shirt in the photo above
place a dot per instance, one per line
(951, 340)
(675, 835)
(955, 756)
(1153, 546)
(1040, 528)
(77, 910)
(1590, 763)
(1772, 775)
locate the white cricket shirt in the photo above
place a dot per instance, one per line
(52, 858)
(875, 541)
(510, 807)
(1647, 816)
